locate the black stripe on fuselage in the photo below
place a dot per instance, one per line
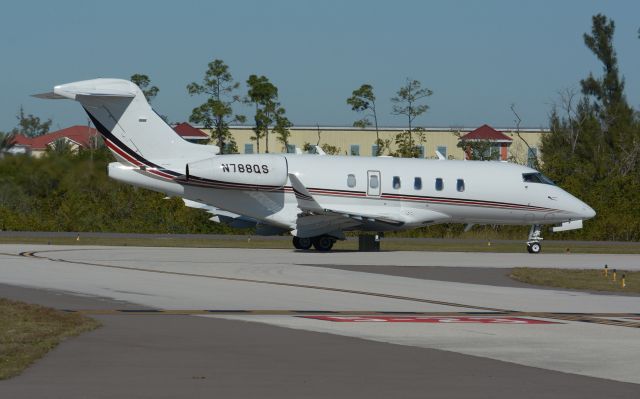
(109, 136)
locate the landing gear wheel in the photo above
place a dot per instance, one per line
(301, 243)
(534, 248)
(534, 245)
(323, 243)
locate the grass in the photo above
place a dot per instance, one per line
(28, 332)
(388, 244)
(578, 279)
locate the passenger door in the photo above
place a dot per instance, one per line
(374, 183)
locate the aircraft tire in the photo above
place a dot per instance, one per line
(302, 243)
(534, 248)
(323, 243)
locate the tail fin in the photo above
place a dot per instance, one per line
(130, 127)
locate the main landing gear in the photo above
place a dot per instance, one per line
(320, 243)
(534, 243)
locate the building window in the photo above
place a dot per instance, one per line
(248, 148)
(355, 149)
(396, 182)
(439, 184)
(351, 180)
(442, 149)
(374, 150)
(228, 148)
(460, 185)
(291, 148)
(421, 151)
(417, 183)
(532, 157)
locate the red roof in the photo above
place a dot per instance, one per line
(79, 134)
(186, 130)
(486, 132)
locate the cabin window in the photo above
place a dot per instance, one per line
(373, 181)
(396, 182)
(439, 184)
(460, 185)
(351, 180)
(417, 183)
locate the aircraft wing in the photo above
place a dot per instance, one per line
(316, 220)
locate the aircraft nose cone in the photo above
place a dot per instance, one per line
(587, 212)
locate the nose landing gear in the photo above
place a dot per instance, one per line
(534, 243)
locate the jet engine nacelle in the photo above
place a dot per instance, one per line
(257, 170)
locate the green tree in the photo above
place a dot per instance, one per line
(408, 146)
(30, 125)
(71, 192)
(363, 100)
(217, 112)
(143, 82)
(263, 95)
(407, 102)
(281, 127)
(593, 147)
(608, 99)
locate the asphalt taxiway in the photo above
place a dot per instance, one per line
(237, 324)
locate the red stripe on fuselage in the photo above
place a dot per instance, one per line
(134, 161)
(122, 153)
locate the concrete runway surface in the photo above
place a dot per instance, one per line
(261, 348)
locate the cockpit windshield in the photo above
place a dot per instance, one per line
(537, 178)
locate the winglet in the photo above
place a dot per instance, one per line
(319, 150)
(306, 202)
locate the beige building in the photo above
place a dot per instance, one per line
(357, 141)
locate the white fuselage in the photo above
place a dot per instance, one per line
(493, 192)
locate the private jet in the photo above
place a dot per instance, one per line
(316, 197)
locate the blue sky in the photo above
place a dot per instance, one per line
(478, 57)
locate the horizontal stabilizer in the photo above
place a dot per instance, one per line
(117, 88)
(49, 96)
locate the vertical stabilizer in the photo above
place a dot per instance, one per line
(130, 127)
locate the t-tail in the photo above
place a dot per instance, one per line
(131, 129)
